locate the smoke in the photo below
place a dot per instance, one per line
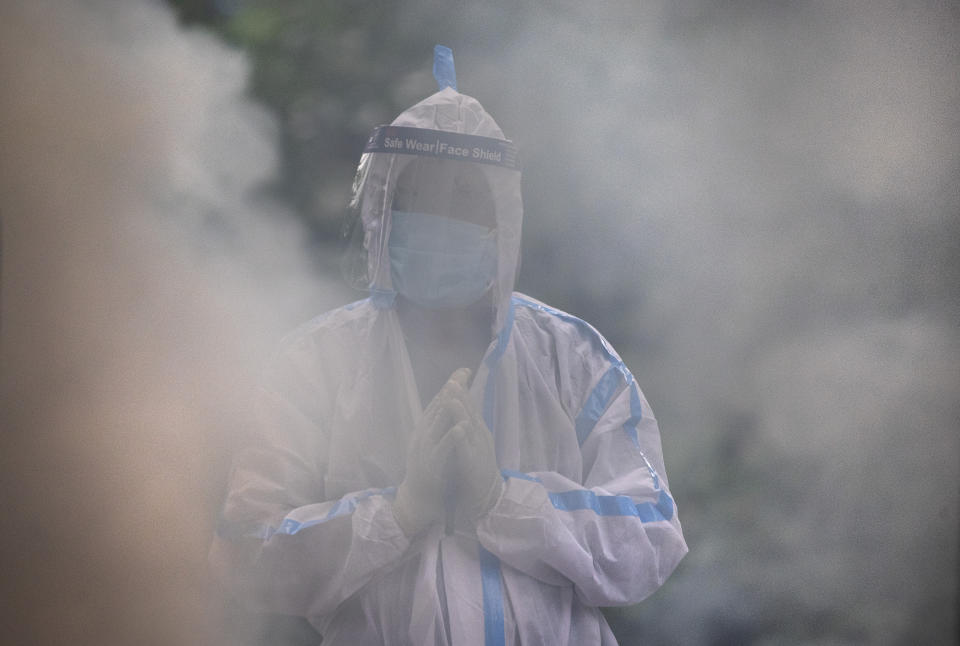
(756, 202)
(760, 201)
(146, 274)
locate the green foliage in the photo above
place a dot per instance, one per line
(314, 66)
(254, 27)
(331, 71)
(196, 11)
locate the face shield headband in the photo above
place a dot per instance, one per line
(440, 144)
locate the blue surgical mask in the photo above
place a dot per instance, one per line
(438, 262)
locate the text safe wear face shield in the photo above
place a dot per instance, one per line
(435, 217)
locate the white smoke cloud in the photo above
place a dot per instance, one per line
(761, 199)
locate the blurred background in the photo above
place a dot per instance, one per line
(756, 202)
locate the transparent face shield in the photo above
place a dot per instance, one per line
(428, 218)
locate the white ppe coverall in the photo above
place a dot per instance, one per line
(585, 518)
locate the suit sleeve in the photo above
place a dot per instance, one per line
(281, 544)
(615, 537)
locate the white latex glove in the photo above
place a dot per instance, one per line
(479, 483)
(420, 497)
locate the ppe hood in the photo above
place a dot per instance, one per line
(455, 133)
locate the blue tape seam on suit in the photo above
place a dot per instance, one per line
(444, 71)
(490, 574)
(289, 526)
(577, 499)
(606, 389)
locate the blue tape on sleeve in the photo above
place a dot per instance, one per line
(443, 69)
(647, 512)
(510, 473)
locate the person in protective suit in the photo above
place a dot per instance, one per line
(447, 461)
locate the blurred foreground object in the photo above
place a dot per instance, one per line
(135, 303)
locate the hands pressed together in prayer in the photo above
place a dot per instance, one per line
(450, 460)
